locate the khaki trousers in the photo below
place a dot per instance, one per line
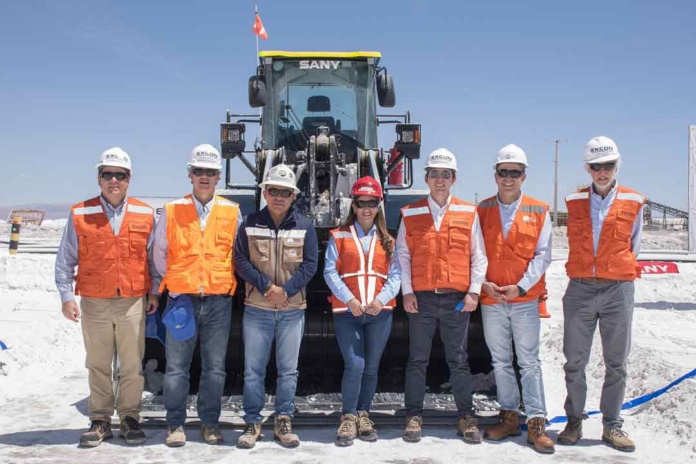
(114, 325)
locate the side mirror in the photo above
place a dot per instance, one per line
(257, 91)
(385, 90)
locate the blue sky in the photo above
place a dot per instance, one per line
(156, 78)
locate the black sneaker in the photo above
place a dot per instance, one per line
(99, 431)
(131, 431)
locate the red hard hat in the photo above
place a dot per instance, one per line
(366, 186)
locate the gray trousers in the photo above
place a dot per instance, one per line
(583, 305)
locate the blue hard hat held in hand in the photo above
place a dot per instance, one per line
(179, 319)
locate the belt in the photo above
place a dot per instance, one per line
(445, 290)
(597, 280)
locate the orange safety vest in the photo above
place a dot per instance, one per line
(439, 259)
(615, 258)
(363, 275)
(200, 261)
(509, 258)
(108, 265)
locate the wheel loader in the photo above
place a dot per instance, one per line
(319, 115)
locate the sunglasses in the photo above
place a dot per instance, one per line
(274, 192)
(440, 174)
(207, 172)
(108, 175)
(514, 173)
(602, 166)
(366, 203)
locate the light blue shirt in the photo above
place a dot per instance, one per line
(542, 254)
(599, 209)
(338, 286)
(66, 258)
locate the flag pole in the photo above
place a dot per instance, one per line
(256, 13)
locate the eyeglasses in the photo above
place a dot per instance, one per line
(366, 203)
(440, 174)
(108, 175)
(514, 173)
(274, 192)
(208, 172)
(603, 166)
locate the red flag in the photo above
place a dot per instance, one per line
(259, 29)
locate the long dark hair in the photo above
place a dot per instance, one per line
(386, 240)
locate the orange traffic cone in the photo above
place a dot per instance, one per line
(542, 306)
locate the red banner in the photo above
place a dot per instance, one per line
(658, 267)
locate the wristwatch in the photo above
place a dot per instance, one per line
(522, 291)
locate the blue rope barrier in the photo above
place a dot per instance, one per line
(2, 345)
(637, 401)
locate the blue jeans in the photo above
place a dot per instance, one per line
(361, 341)
(213, 320)
(503, 323)
(261, 327)
(434, 309)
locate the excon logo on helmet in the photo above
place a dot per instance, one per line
(601, 149)
(319, 64)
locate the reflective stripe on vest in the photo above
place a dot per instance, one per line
(364, 276)
(111, 265)
(200, 261)
(615, 258)
(509, 258)
(439, 259)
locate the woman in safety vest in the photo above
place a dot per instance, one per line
(363, 274)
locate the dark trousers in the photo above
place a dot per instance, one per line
(454, 330)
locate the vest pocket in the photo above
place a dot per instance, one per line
(259, 250)
(459, 237)
(623, 229)
(292, 250)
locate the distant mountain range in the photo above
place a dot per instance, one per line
(52, 210)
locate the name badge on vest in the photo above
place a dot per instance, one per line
(138, 226)
(531, 219)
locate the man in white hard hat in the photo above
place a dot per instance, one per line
(605, 223)
(443, 263)
(194, 238)
(107, 239)
(276, 255)
(517, 232)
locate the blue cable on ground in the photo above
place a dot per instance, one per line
(635, 402)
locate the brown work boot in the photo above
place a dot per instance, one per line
(248, 438)
(211, 434)
(467, 428)
(99, 430)
(131, 431)
(366, 428)
(618, 439)
(509, 426)
(347, 431)
(282, 432)
(412, 433)
(572, 432)
(537, 436)
(176, 437)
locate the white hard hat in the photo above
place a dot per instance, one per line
(511, 154)
(280, 176)
(115, 157)
(441, 158)
(601, 150)
(205, 156)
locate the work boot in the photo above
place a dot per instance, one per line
(366, 428)
(412, 433)
(282, 432)
(572, 432)
(248, 438)
(347, 431)
(99, 430)
(467, 428)
(508, 426)
(211, 434)
(618, 439)
(537, 436)
(176, 437)
(131, 431)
